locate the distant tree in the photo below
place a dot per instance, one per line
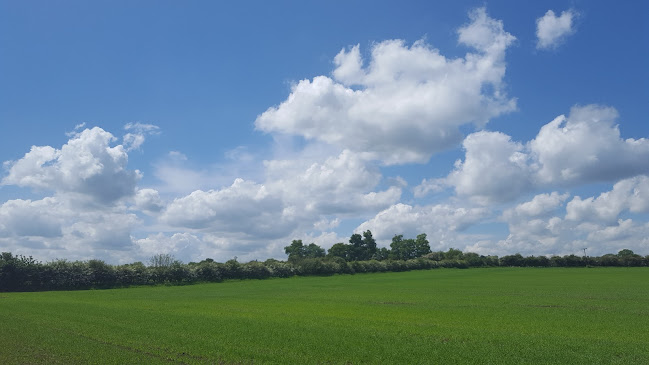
(340, 250)
(609, 260)
(295, 250)
(381, 254)
(369, 245)
(101, 274)
(436, 256)
(473, 259)
(314, 251)
(362, 247)
(512, 260)
(573, 261)
(629, 258)
(422, 247)
(625, 253)
(401, 249)
(356, 247)
(453, 254)
(162, 260)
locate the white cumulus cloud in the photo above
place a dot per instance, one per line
(551, 30)
(410, 100)
(86, 166)
(627, 195)
(583, 147)
(442, 223)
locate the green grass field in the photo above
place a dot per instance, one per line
(446, 316)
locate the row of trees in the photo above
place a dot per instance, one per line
(362, 248)
(21, 273)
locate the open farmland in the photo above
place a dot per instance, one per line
(496, 315)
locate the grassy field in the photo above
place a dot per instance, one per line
(446, 316)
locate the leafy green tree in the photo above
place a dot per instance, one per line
(295, 250)
(340, 250)
(629, 258)
(381, 254)
(422, 247)
(401, 249)
(625, 253)
(314, 251)
(453, 254)
(356, 247)
(369, 245)
(512, 260)
(362, 247)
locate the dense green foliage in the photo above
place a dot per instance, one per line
(477, 316)
(20, 273)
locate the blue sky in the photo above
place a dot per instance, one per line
(214, 129)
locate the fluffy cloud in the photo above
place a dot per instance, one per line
(183, 246)
(340, 184)
(627, 195)
(297, 196)
(39, 218)
(87, 216)
(442, 223)
(551, 30)
(244, 208)
(583, 147)
(540, 205)
(536, 227)
(58, 228)
(494, 169)
(86, 166)
(148, 200)
(410, 100)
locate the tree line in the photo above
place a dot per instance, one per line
(360, 255)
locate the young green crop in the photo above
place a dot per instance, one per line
(498, 316)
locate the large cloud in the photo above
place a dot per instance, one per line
(442, 223)
(244, 208)
(58, 228)
(341, 184)
(586, 147)
(583, 147)
(87, 166)
(39, 218)
(542, 226)
(494, 169)
(409, 101)
(88, 214)
(551, 30)
(627, 195)
(297, 195)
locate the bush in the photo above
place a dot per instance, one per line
(208, 271)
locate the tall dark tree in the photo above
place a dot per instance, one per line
(295, 250)
(422, 247)
(314, 251)
(369, 245)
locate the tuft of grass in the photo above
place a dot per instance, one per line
(477, 316)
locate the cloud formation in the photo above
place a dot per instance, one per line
(137, 134)
(584, 147)
(551, 30)
(442, 223)
(407, 103)
(86, 166)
